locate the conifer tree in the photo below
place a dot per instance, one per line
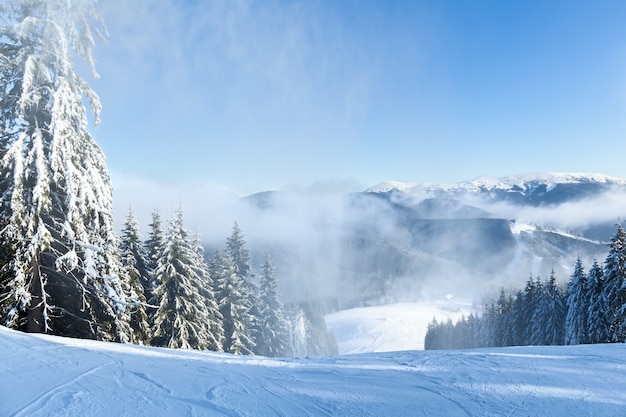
(532, 292)
(598, 321)
(152, 248)
(237, 250)
(181, 320)
(215, 318)
(519, 322)
(540, 303)
(615, 284)
(134, 264)
(576, 320)
(56, 203)
(233, 305)
(554, 312)
(273, 338)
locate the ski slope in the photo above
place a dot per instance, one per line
(392, 327)
(51, 376)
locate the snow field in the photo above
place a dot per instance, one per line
(51, 376)
(392, 327)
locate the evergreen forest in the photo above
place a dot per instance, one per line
(591, 309)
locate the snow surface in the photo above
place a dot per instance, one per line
(392, 327)
(52, 376)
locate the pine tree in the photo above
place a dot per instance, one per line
(300, 331)
(236, 249)
(554, 312)
(56, 202)
(577, 306)
(519, 322)
(273, 338)
(538, 321)
(598, 320)
(134, 264)
(530, 303)
(234, 307)
(152, 248)
(181, 321)
(215, 318)
(614, 284)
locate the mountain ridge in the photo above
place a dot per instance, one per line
(484, 183)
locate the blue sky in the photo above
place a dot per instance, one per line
(263, 95)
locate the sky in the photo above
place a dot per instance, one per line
(244, 96)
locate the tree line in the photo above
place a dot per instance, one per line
(179, 299)
(591, 309)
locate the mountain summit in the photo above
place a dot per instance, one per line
(528, 189)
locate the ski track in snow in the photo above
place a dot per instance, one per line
(51, 376)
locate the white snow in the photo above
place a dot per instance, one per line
(392, 327)
(51, 376)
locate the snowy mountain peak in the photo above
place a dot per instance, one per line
(520, 183)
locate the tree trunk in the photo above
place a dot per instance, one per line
(35, 321)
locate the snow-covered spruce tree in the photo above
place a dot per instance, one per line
(615, 285)
(56, 201)
(300, 330)
(152, 249)
(555, 312)
(181, 320)
(532, 292)
(134, 264)
(233, 304)
(273, 339)
(598, 320)
(236, 248)
(577, 305)
(518, 320)
(538, 321)
(215, 318)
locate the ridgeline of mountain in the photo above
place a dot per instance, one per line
(398, 241)
(531, 189)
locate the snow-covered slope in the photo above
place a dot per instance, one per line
(393, 327)
(49, 376)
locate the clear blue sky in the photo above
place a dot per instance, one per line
(258, 95)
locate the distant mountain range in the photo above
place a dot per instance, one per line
(397, 241)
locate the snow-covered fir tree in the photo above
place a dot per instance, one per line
(64, 276)
(215, 318)
(598, 320)
(134, 264)
(273, 338)
(237, 250)
(577, 305)
(300, 331)
(532, 292)
(615, 284)
(539, 319)
(554, 311)
(152, 248)
(233, 304)
(181, 320)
